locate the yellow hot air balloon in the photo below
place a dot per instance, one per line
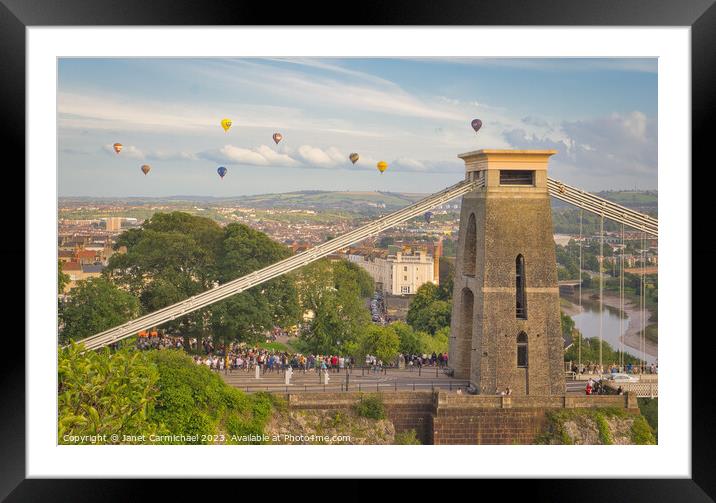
(382, 166)
(226, 124)
(145, 168)
(117, 147)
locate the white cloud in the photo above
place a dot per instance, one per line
(129, 151)
(376, 95)
(613, 146)
(258, 156)
(164, 155)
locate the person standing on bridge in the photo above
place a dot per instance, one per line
(588, 389)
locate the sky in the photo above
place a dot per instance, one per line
(599, 114)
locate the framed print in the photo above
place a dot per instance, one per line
(280, 246)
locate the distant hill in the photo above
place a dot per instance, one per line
(361, 202)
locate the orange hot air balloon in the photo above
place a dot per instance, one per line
(146, 168)
(277, 137)
(382, 166)
(117, 147)
(353, 157)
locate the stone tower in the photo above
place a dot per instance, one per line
(506, 325)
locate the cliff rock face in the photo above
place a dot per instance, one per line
(596, 427)
(329, 427)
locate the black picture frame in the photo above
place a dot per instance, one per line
(700, 15)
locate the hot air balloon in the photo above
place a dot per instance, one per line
(382, 166)
(277, 137)
(117, 147)
(222, 171)
(146, 168)
(353, 157)
(428, 215)
(226, 124)
(476, 124)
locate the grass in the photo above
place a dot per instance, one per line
(274, 346)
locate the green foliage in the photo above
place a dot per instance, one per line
(567, 326)
(641, 432)
(94, 305)
(555, 432)
(382, 342)
(62, 278)
(649, 408)
(371, 406)
(408, 437)
(177, 255)
(414, 342)
(605, 435)
(437, 343)
(430, 309)
(103, 393)
(338, 419)
(131, 392)
(334, 292)
(193, 400)
(410, 342)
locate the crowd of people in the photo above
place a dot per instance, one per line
(424, 360)
(595, 368)
(239, 356)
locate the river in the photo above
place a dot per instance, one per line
(587, 321)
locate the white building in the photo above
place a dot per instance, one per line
(401, 273)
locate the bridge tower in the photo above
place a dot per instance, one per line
(505, 321)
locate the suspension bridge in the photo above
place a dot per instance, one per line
(476, 182)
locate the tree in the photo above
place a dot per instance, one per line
(334, 292)
(246, 316)
(62, 278)
(437, 343)
(382, 342)
(426, 294)
(176, 255)
(95, 305)
(409, 340)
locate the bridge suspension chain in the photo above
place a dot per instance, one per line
(233, 287)
(601, 206)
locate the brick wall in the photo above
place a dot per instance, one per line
(449, 418)
(406, 410)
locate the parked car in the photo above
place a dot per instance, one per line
(622, 378)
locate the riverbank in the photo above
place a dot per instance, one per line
(631, 336)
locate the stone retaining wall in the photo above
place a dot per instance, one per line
(449, 418)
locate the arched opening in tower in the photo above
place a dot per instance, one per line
(465, 339)
(470, 248)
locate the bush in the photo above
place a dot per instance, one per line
(193, 400)
(371, 406)
(641, 433)
(131, 392)
(407, 438)
(103, 393)
(649, 408)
